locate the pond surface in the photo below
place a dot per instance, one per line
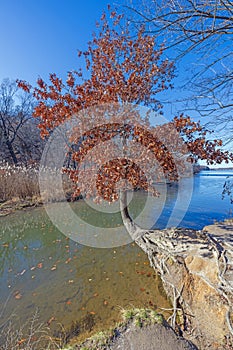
(43, 269)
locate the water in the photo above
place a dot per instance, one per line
(206, 205)
(43, 269)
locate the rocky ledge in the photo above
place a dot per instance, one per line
(197, 271)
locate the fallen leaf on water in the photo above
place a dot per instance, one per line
(141, 272)
(50, 320)
(21, 341)
(18, 295)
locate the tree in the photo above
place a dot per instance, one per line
(123, 72)
(201, 31)
(19, 136)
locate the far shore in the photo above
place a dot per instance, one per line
(15, 204)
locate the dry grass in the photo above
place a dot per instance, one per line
(18, 182)
(33, 335)
(23, 183)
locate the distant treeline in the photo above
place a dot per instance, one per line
(20, 141)
(197, 168)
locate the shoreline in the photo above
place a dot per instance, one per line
(196, 269)
(194, 277)
(16, 204)
(140, 329)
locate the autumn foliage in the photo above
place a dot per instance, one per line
(122, 71)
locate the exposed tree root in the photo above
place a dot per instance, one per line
(169, 247)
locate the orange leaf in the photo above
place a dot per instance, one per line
(18, 295)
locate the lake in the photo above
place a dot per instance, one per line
(206, 204)
(66, 281)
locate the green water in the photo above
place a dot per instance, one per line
(43, 269)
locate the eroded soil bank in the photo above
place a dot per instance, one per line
(197, 271)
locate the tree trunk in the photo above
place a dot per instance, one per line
(132, 228)
(195, 267)
(11, 150)
(7, 140)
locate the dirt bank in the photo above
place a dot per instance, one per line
(141, 329)
(197, 271)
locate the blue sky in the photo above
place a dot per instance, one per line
(38, 37)
(42, 37)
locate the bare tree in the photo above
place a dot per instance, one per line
(20, 139)
(198, 34)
